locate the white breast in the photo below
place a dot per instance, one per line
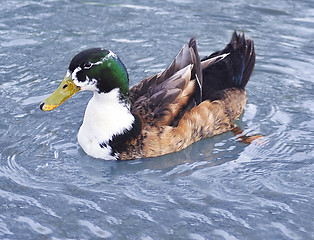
(105, 116)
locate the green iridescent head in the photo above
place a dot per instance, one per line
(94, 69)
(99, 68)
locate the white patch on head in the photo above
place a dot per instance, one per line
(105, 116)
(74, 73)
(88, 84)
(97, 63)
(68, 73)
(111, 55)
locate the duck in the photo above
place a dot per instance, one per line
(190, 100)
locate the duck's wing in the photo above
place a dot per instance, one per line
(160, 98)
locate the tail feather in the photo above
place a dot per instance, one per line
(234, 70)
(250, 60)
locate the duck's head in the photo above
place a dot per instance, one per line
(95, 69)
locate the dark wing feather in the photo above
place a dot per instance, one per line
(161, 104)
(197, 70)
(160, 98)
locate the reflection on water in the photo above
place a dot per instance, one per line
(219, 188)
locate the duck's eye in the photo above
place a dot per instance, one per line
(87, 65)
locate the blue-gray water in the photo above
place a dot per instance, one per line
(218, 188)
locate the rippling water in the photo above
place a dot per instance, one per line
(218, 188)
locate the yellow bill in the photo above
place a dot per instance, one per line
(66, 89)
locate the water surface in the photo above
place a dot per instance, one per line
(218, 188)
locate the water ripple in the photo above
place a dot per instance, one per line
(192, 216)
(4, 230)
(97, 231)
(82, 202)
(12, 197)
(37, 227)
(21, 176)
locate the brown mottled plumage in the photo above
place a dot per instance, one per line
(191, 99)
